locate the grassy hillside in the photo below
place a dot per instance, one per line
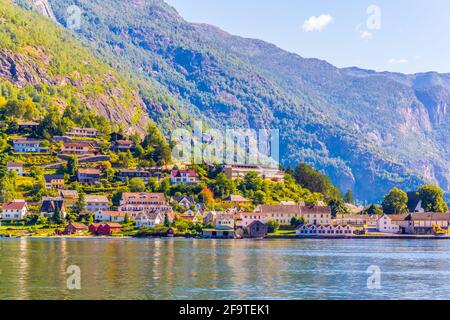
(41, 67)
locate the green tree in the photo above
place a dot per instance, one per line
(272, 226)
(374, 210)
(315, 181)
(166, 221)
(223, 187)
(7, 188)
(260, 197)
(349, 197)
(337, 206)
(137, 185)
(80, 204)
(72, 166)
(432, 199)
(395, 202)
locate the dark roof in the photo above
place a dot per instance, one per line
(178, 173)
(413, 201)
(179, 198)
(51, 205)
(428, 216)
(50, 177)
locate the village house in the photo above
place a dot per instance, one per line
(25, 145)
(122, 146)
(136, 203)
(15, 167)
(123, 175)
(107, 229)
(312, 230)
(356, 220)
(95, 203)
(78, 148)
(237, 200)
(93, 228)
(183, 177)
(247, 218)
(150, 219)
(26, 126)
(224, 227)
(83, 132)
(15, 210)
(89, 176)
(188, 202)
(235, 171)
(50, 206)
(423, 223)
(256, 229)
(109, 216)
(69, 197)
(283, 214)
(54, 181)
(390, 224)
(75, 228)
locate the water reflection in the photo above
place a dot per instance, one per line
(222, 269)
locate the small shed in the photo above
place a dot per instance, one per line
(75, 228)
(257, 229)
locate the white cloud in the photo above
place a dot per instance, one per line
(317, 23)
(364, 34)
(397, 61)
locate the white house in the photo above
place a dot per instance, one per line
(312, 230)
(390, 223)
(16, 210)
(183, 177)
(150, 219)
(224, 221)
(109, 216)
(16, 167)
(96, 203)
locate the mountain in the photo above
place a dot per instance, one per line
(368, 131)
(42, 66)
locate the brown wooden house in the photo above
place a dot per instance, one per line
(257, 229)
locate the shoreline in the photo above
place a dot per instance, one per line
(274, 237)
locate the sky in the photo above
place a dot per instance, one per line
(407, 36)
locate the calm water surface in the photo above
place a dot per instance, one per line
(216, 269)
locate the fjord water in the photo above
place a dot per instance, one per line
(224, 269)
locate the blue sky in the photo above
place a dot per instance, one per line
(410, 36)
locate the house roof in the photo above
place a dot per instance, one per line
(179, 173)
(89, 171)
(413, 201)
(96, 199)
(293, 209)
(79, 225)
(77, 145)
(50, 177)
(68, 193)
(52, 204)
(153, 215)
(112, 225)
(429, 216)
(180, 198)
(15, 205)
(85, 129)
(156, 197)
(224, 216)
(124, 143)
(26, 140)
(237, 198)
(395, 217)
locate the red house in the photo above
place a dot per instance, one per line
(75, 228)
(93, 228)
(108, 229)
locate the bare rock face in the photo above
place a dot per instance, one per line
(44, 7)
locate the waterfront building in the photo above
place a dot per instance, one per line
(390, 223)
(136, 203)
(15, 210)
(108, 229)
(75, 228)
(256, 229)
(424, 223)
(284, 214)
(312, 230)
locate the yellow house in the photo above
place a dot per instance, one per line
(54, 181)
